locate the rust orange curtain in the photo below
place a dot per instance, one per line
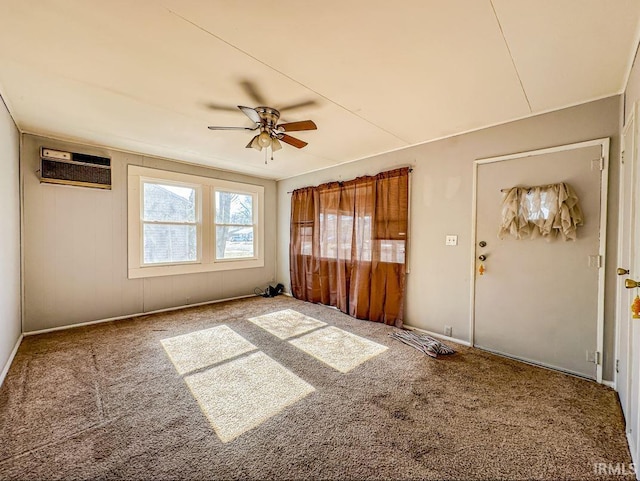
(348, 243)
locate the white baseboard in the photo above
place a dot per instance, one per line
(610, 384)
(129, 316)
(5, 370)
(439, 336)
(535, 363)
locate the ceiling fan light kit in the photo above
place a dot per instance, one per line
(264, 139)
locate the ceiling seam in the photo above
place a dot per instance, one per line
(513, 62)
(285, 75)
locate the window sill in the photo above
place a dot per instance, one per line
(179, 269)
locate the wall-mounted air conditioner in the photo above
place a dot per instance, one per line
(57, 167)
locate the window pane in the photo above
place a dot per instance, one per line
(169, 243)
(168, 203)
(536, 204)
(234, 208)
(234, 242)
(306, 240)
(392, 251)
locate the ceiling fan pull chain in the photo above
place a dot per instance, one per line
(265, 156)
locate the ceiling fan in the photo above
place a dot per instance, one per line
(266, 120)
(271, 133)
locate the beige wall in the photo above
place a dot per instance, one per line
(75, 247)
(438, 285)
(10, 326)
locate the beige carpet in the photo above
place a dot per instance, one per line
(280, 389)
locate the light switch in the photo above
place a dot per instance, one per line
(451, 240)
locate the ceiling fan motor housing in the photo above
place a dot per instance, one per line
(269, 116)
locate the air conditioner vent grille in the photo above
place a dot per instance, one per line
(75, 169)
(91, 159)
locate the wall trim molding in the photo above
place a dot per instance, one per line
(439, 336)
(457, 134)
(98, 145)
(129, 316)
(610, 384)
(5, 369)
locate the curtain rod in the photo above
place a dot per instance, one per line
(291, 192)
(504, 191)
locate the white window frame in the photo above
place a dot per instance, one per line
(197, 222)
(255, 223)
(205, 217)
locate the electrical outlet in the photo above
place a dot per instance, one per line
(591, 356)
(448, 330)
(451, 240)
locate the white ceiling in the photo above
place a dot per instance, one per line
(138, 75)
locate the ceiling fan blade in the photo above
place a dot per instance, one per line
(253, 92)
(215, 127)
(298, 126)
(299, 105)
(225, 108)
(251, 113)
(292, 141)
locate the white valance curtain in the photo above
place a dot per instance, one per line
(547, 211)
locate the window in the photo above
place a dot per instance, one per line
(169, 223)
(234, 225)
(536, 204)
(181, 224)
(545, 210)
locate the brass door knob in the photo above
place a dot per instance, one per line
(622, 272)
(631, 284)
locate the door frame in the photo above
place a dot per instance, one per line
(627, 170)
(604, 182)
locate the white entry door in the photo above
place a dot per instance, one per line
(628, 329)
(541, 300)
(624, 325)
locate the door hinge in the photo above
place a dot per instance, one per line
(595, 261)
(617, 365)
(594, 357)
(597, 164)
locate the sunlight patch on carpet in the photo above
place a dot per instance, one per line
(339, 349)
(199, 349)
(287, 323)
(239, 395)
